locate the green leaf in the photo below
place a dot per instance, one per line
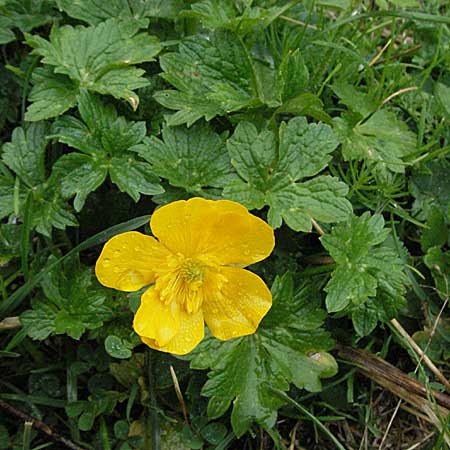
(305, 148)
(253, 154)
(71, 304)
(86, 420)
(6, 34)
(40, 322)
(430, 185)
(306, 104)
(213, 75)
(214, 14)
(442, 93)
(192, 158)
(438, 261)
(107, 141)
(99, 58)
(236, 16)
(52, 94)
(7, 186)
(26, 152)
(117, 348)
(271, 176)
(134, 177)
(355, 100)
(15, 299)
(93, 11)
(365, 318)
(27, 15)
(289, 346)
(437, 231)
(25, 155)
(382, 140)
(322, 199)
(365, 269)
(293, 75)
(79, 175)
(9, 242)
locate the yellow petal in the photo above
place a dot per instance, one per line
(237, 305)
(130, 261)
(156, 320)
(169, 331)
(220, 229)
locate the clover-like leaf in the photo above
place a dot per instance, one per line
(366, 271)
(271, 176)
(105, 141)
(99, 58)
(191, 158)
(289, 347)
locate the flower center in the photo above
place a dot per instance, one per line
(181, 285)
(192, 272)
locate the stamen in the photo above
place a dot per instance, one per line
(183, 282)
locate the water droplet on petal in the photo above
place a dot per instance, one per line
(106, 262)
(116, 253)
(130, 280)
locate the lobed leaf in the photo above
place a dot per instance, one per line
(99, 58)
(25, 156)
(271, 175)
(71, 304)
(191, 158)
(366, 272)
(106, 141)
(381, 139)
(94, 12)
(213, 76)
(289, 346)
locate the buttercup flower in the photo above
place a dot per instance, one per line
(196, 267)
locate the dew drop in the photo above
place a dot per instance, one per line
(106, 262)
(129, 280)
(116, 253)
(138, 248)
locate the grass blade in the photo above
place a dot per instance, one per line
(296, 405)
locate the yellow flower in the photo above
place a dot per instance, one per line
(196, 268)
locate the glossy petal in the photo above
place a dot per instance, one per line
(166, 327)
(156, 320)
(222, 230)
(238, 304)
(130, 261)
